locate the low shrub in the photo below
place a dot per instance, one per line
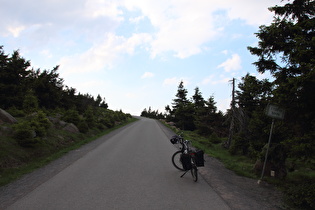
(214, 138)
(301, 194)
(15, 112)
(24, 134)
(83, 126)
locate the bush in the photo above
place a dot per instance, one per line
(301, 194)
(100, 126)
(30, 103)
(16, 112)
(24, 135)
(214, 138)
(239, 145)
(40, 124)
(83, 126)
(72, 116)
(43, 120)
(107, 121)
(89, 117)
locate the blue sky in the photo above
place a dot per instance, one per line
(135, 52)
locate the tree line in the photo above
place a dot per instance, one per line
(18, 79)
(25, 91)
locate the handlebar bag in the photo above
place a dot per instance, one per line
(174, 139)
(186, 161)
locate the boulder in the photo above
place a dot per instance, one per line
(5, 117)
(71, 128)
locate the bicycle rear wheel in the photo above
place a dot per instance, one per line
(194, 173)
(176, 161)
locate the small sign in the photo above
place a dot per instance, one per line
(275, 112)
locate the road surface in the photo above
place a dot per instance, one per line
(129, 170)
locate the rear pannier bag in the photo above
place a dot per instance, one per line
(200, 161)
(186, 161)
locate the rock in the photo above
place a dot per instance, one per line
(5, 117)
(62, 123)
(57, 122)
(71, 128)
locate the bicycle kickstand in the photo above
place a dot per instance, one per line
(184, 174)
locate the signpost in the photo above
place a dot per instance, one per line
(275, 113)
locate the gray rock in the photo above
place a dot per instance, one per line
(5, 117)
(71, 128)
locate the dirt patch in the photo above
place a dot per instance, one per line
(240, 192)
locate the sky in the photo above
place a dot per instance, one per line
(134, 53)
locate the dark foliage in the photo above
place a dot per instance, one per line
(22, 86)
(152, 114)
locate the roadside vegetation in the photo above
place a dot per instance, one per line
(239, 137)
(17, 160)
(41, 118)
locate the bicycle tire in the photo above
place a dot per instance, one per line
(176, 161)
(194, 173)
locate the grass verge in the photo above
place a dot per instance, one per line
(212, 146)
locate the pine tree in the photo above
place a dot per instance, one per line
(286, 49)
(183, 109)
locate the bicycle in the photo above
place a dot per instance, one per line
(186, 159)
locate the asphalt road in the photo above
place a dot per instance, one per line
(129, 170)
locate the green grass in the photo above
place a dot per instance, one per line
(212, 146)
(15, 161)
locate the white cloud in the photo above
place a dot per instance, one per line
(46, 53)
(184, 26)
(99, 8)
(147, 75)
(254, 13)
(171, 81)
(213, 81)
(131, 95)
(207, 80)
(231, 64)
(265, 75)
(136, 19)
(103, 55)
(175, 81)
(225, 52)
(223, 104)
(15, 31)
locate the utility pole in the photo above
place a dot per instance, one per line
(232, 115)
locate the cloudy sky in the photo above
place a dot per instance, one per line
(135, 52)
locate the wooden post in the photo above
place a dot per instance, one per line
(266, 155)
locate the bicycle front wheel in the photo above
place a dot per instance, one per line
(194, 173)
(176, 161)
